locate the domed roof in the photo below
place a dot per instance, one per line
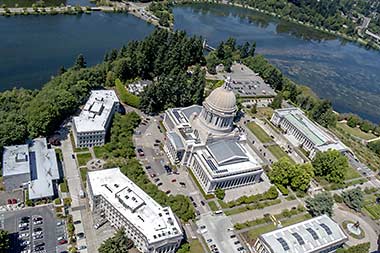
(222, 99)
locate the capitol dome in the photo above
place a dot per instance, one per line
(222, 99)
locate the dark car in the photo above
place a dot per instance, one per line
(37, 229)
(159, 184)
(77, 222)
(157, 141)
(202, 202)
(191, 198)
(148, 167)
(80, 235)
(73, 156)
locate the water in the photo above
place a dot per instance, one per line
(345, 73)
(33, 48)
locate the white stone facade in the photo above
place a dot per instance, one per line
(204, 139)
(307, 134)
(91, 126)
(152, 228)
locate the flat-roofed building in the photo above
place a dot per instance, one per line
(303, 132)
(153, 228)
(317, 235)
(139, 86)
(32, 166)
(204, 139)
(91, 126)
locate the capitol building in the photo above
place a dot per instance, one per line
(205, 139)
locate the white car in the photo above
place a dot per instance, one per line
(60, 223)
(60, 238)
(26, 251)
(37, 233)
(25, 243)
(23, 235)
(36, 237)
(23, 225)
(38, 222)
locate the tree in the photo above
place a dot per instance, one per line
(353, 198)
(252, 50)
(61, 70)
(119, 243)
(80, 62)
(322, 203)
(185, 248)
(323, 114)
(212, 61)
(375, 146)
(220, 193)
(254, 109)
(360, 248)
(277, 101)
(297, 176)
(4, 240)
(353, 120)
(331, 165)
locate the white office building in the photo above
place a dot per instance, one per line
(302, 132)
(31, 166)
(153, 228)
(317, 235)
(91, 126)
(204, 139)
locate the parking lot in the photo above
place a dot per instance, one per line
(218, 232)
(33, 229)
(149, 139)
(246, 83)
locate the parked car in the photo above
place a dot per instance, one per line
(38, 222)
(202, 202)
(14, 201)
(23, 235)
(60, 223)
(100, 223)
(80, 235)
(37, 218)
(82, 247)
(159, 184)
(168, 192)
(25, 243)
(77, 222)
(174, 180)
(63, 241)
(24, 228)
(37, 237)
(156, 180)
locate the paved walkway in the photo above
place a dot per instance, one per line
(370, 234)
(259, 213)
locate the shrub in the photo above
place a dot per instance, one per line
(338, 198)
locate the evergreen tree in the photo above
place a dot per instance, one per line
(80, 62)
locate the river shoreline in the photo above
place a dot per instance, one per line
(295, 21)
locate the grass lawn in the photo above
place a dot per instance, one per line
(255, 232)
(63, 186)
(83, 158)
(73, 144)
(99, 152)
(213, 206)
(264, 112)
(259, 132)
(355, 131)
(351, 173)
(83, 175)
(373, 210)
(278, 152)
(196, 247)
(223, 204)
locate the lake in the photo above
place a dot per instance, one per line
(33, 48)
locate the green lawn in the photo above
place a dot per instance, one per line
(373, 210)
(83, 158)
(213, 206)
(223, 204)
(83, 175)
(259, 132)
(355, 131)
(100, 152)
(278, 152)
(255, 232)
(196, 247)
(351, 173)
(63, 186)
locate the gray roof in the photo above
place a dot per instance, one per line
(227, 151)
(176, 140)
(305, 237)
(15, 160)
(187, 111)
(44, 169)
